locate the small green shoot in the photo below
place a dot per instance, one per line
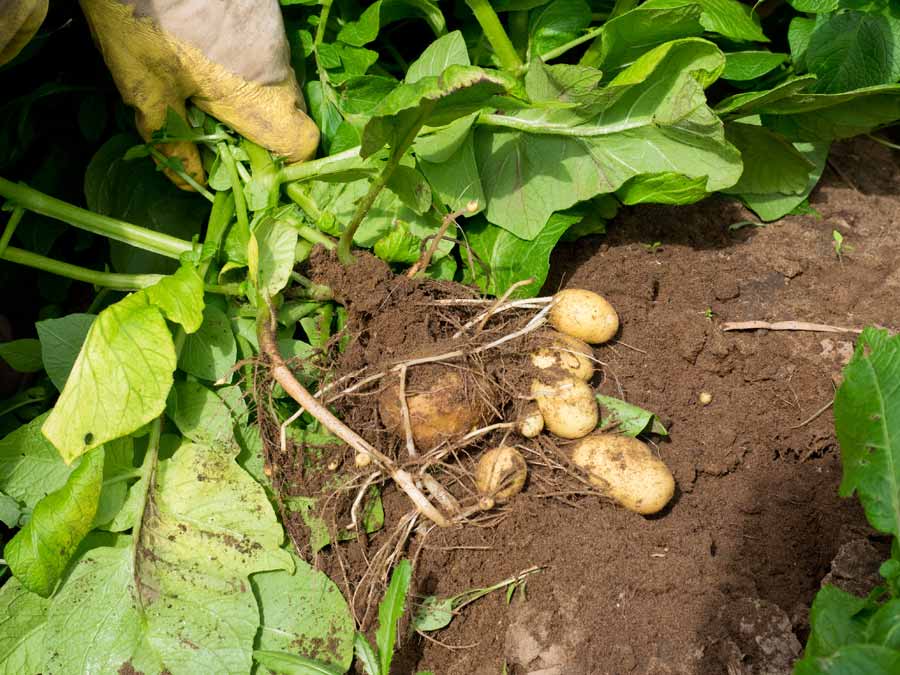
(377, 660)
(709, 313)
(837, 241)
(655, 247)
(744, 223)
(435, 613)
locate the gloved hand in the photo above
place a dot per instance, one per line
(230, 57)
(19, 21)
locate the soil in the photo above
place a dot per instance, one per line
(721, 581)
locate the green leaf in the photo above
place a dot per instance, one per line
(771, 164)
(834, 621)
(852, 50)
(23, 356)
(291, 664)
(366, 655)
(858, 659)
(800, 32)
(363, 30)
(61, 340)
(455, 179)
(663, 188)
(771, 207)
(211, 352)
(200, 415)
(433, 613)
(118, 467)
(728, 18)
(23, 640)
(305, 615)
(751, 102)
(30, 467)
(10, 512)
(559, 22)
(657, 119)
(509, 258)
(815, 6)
(137, 193)
(884, 624)
(411, 187)
(180, 297)
(276, 240)
(628, 418)
(398, 246)
(867, 422)
(390, 610)
(743, 66)
(120, 380)
(449, 50)
(459, 91)
(40, 551)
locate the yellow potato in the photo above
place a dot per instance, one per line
(531, 422)
(567, 405)
(584, 315)
(626, 470)
(567, 352)
(446, 405)
(501, 473)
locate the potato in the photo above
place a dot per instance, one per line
(443, 402)
(584, 315)
(531, 422)
(626, 470)
(568, 406)
(567, 352)
(500, 473)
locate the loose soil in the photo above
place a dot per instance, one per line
(721, 581)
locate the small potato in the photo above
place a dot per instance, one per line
(442, 403)
(568, 406)
(567, 352)
(626, 470)
(584, 315)
(531, 422)
(501, 474)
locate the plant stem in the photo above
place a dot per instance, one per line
(173, 165)
(10, 228)
(298, 195)
(120, 282)
(321, 167)
(562, 49)
(240, 204)
(133, 235)
(345, 243)
(496, 35)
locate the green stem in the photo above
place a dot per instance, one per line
(345, 243)
(313, 236)
(320, 36)
(133, 235)
(120, 282)
(148, 469)
(496, 35)
(313, 290)
(240, 205)
(173, 165)
(291, 312)
(299, 196)
(562, 49)
(341, 161)
(10, 228)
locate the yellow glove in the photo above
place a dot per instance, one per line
(230, 57)
(19, 21)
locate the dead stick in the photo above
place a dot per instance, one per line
(788, 325)
(285, 377)
(404, 413)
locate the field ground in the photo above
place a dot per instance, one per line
(722, 580)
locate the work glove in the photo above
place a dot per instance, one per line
(19, 21)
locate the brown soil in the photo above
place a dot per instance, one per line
(721, 581)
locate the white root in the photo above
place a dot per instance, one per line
(499, 305)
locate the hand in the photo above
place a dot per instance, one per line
(19, 21)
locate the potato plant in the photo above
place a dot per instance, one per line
(145, 521)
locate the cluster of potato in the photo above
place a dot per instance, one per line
(564, 404)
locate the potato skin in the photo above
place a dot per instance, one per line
(626, 470)
(585, 315)
(445, 407)
(501, 473)
(568, 406)
(567, 352)
(531, 422)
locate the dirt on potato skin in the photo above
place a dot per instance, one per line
(721, 580)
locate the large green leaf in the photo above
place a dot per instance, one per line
(449, 50)
(23, 640)
(304, 614)
(180, 297)
(509, 258)
(557, 23)
(773, 206)
(867, 422)
(181, 601)
(23, 356)
(200, 414)
(455, 178)
(275, 240)
(61, 340)
(30, 467)
(284, 663)
(835, 621)
(539, 161)
(120, 380)
(856, 659)
(210, 353)
(40, 551)
(439, 100)
(741, 66)
(771, 163)
(752, 102)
